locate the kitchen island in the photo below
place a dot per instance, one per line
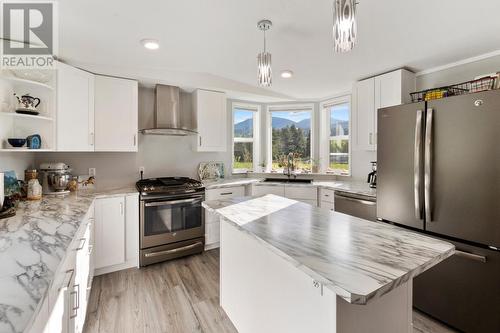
(287, 266)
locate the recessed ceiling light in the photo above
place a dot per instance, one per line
(286, 74)
(150, 44)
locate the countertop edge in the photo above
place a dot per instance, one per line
(96, 195)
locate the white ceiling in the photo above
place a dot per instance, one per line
(214, 43)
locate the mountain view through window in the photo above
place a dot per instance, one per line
(243, 139)
(291, 133)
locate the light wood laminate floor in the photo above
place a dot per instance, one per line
(179, 296)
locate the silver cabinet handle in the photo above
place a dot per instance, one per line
(135, 140)
(82, 244)
(428, 166)
(163, 203)
(200, 140)
(471, 256)
(76, 301)
(226, 193)
(91, 138)
(417, 158)
(370, 138)
(160, 253)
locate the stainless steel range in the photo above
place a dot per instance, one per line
(172, 222)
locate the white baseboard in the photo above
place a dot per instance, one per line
(212, 246)
(134, 263)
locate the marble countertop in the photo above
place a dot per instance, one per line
(32, 245)
(356, 187)
(223, 183)
(359, 260)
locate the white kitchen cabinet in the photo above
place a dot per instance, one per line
(75, 109)
(369, 95)
(116, 233)
(364, 104)
(306, 194)
(109, 232)
(68, 295)
(212, 224)
(326, 198)
(259, 190)
(116, 114)
(210, 118)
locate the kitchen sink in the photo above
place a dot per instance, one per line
(286, 180)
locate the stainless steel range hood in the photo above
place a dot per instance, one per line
(167, 117)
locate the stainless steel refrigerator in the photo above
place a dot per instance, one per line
(439, 173)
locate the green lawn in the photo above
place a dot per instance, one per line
(243, 165)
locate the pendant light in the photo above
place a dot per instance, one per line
(344, 25)
(264, 58)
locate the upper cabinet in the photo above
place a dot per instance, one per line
(210, 117)
(369, 95)
(75, 109)
(116, 114)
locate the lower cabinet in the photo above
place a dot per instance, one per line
(68, 296)
(306, 194)
(212, 225)
(117, 233)
(110, 232)
(326, 198)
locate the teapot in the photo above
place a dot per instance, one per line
(27, 101)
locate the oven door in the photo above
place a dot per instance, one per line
(165, 221)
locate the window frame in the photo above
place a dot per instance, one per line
(325, 137)
(309, 107)
(255, 140)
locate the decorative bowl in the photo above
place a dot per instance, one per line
(18, 143)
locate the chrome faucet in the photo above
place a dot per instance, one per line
(290, 163)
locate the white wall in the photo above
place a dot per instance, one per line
(457, 74)
(17, 162)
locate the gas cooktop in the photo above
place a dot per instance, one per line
(168, 186)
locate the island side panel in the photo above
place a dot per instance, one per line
(261, 292)
(390, 313)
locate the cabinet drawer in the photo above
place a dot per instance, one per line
(228, 192)
(301, 192)
(326, 195)
(326, 205)
(259, 190)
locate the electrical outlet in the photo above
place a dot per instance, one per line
(91, 172)
(141, 169)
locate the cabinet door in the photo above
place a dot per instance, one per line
(116, 114)
(365, 114)
(211, 119)
(109, 232)
(301, 192)
(82, 276)
(260, 190)
(75, 109)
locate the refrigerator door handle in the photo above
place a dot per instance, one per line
(428, 166)
(417, 158)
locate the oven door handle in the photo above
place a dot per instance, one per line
(171, 202)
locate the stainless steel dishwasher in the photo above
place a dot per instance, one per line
(362, 206)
